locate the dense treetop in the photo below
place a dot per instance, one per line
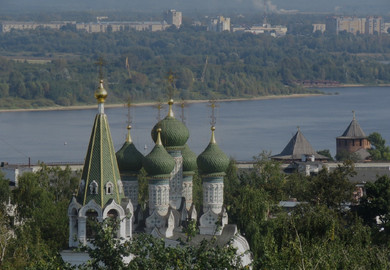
(238, 64)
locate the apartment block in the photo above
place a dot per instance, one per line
(219, 24)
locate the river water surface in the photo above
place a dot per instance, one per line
(243, 128)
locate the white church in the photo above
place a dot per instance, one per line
(109, 187)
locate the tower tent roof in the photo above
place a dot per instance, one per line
(297, 147)
(100, 174)
(354, 130)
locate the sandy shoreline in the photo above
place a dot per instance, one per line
(88, 107)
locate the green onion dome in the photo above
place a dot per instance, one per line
(174, 133)
(128, 157)
(212, 160)
(189, 159)
(158, 162)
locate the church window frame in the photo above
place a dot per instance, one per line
(93, 187)
(109, 188)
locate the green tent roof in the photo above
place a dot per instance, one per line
(100, 167)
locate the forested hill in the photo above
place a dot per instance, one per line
(238, 65)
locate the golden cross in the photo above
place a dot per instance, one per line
(128, 105)
(183, 104)
(100, 63)
(159, 106)
(213, 104)
(171, 81)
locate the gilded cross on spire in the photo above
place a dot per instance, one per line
(213, 104)
(129, 120)
(101, 93)
(159, 107)
(183, 104)
(171, 84)
(100, 63)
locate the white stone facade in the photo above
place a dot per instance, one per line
(131, 191)
(159, 197)
(213, 196)
(175, 181)
(79, 215)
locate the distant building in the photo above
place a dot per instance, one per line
(8, 26)
(13, 171)
(276, 30)
(219, 24)
(103, 27)
(370, 25)
(174, 17)
(319, 27)
(374, 25)
(353, 141)
(386, 27)
(93, 27)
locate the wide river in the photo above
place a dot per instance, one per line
(243, 128)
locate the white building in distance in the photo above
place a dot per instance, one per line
(219, 24)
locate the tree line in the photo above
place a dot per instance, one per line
(206, 64)
(330, 228)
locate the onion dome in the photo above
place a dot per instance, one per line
(158, 162)
(128, 157)
(174, 133)
(189, 159)
(212, 160)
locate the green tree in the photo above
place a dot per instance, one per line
(5, 191)
(151, 253)
(379, 150)
(344, 155)
(316, 237)
(267, 175)
(376, 204)
(326, 153)
(333, 188)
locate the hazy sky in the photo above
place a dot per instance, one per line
(340, 6)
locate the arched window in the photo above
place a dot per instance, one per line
(109, 188)
(113, 214)
(91, 223)
(93, 187)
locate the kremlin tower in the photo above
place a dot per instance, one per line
(353, 141)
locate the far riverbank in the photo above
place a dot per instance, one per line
(88, 107)
(119, 105)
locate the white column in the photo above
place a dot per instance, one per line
(82, 230)
(213, 195)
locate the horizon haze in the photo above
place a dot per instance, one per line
(341, 7)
